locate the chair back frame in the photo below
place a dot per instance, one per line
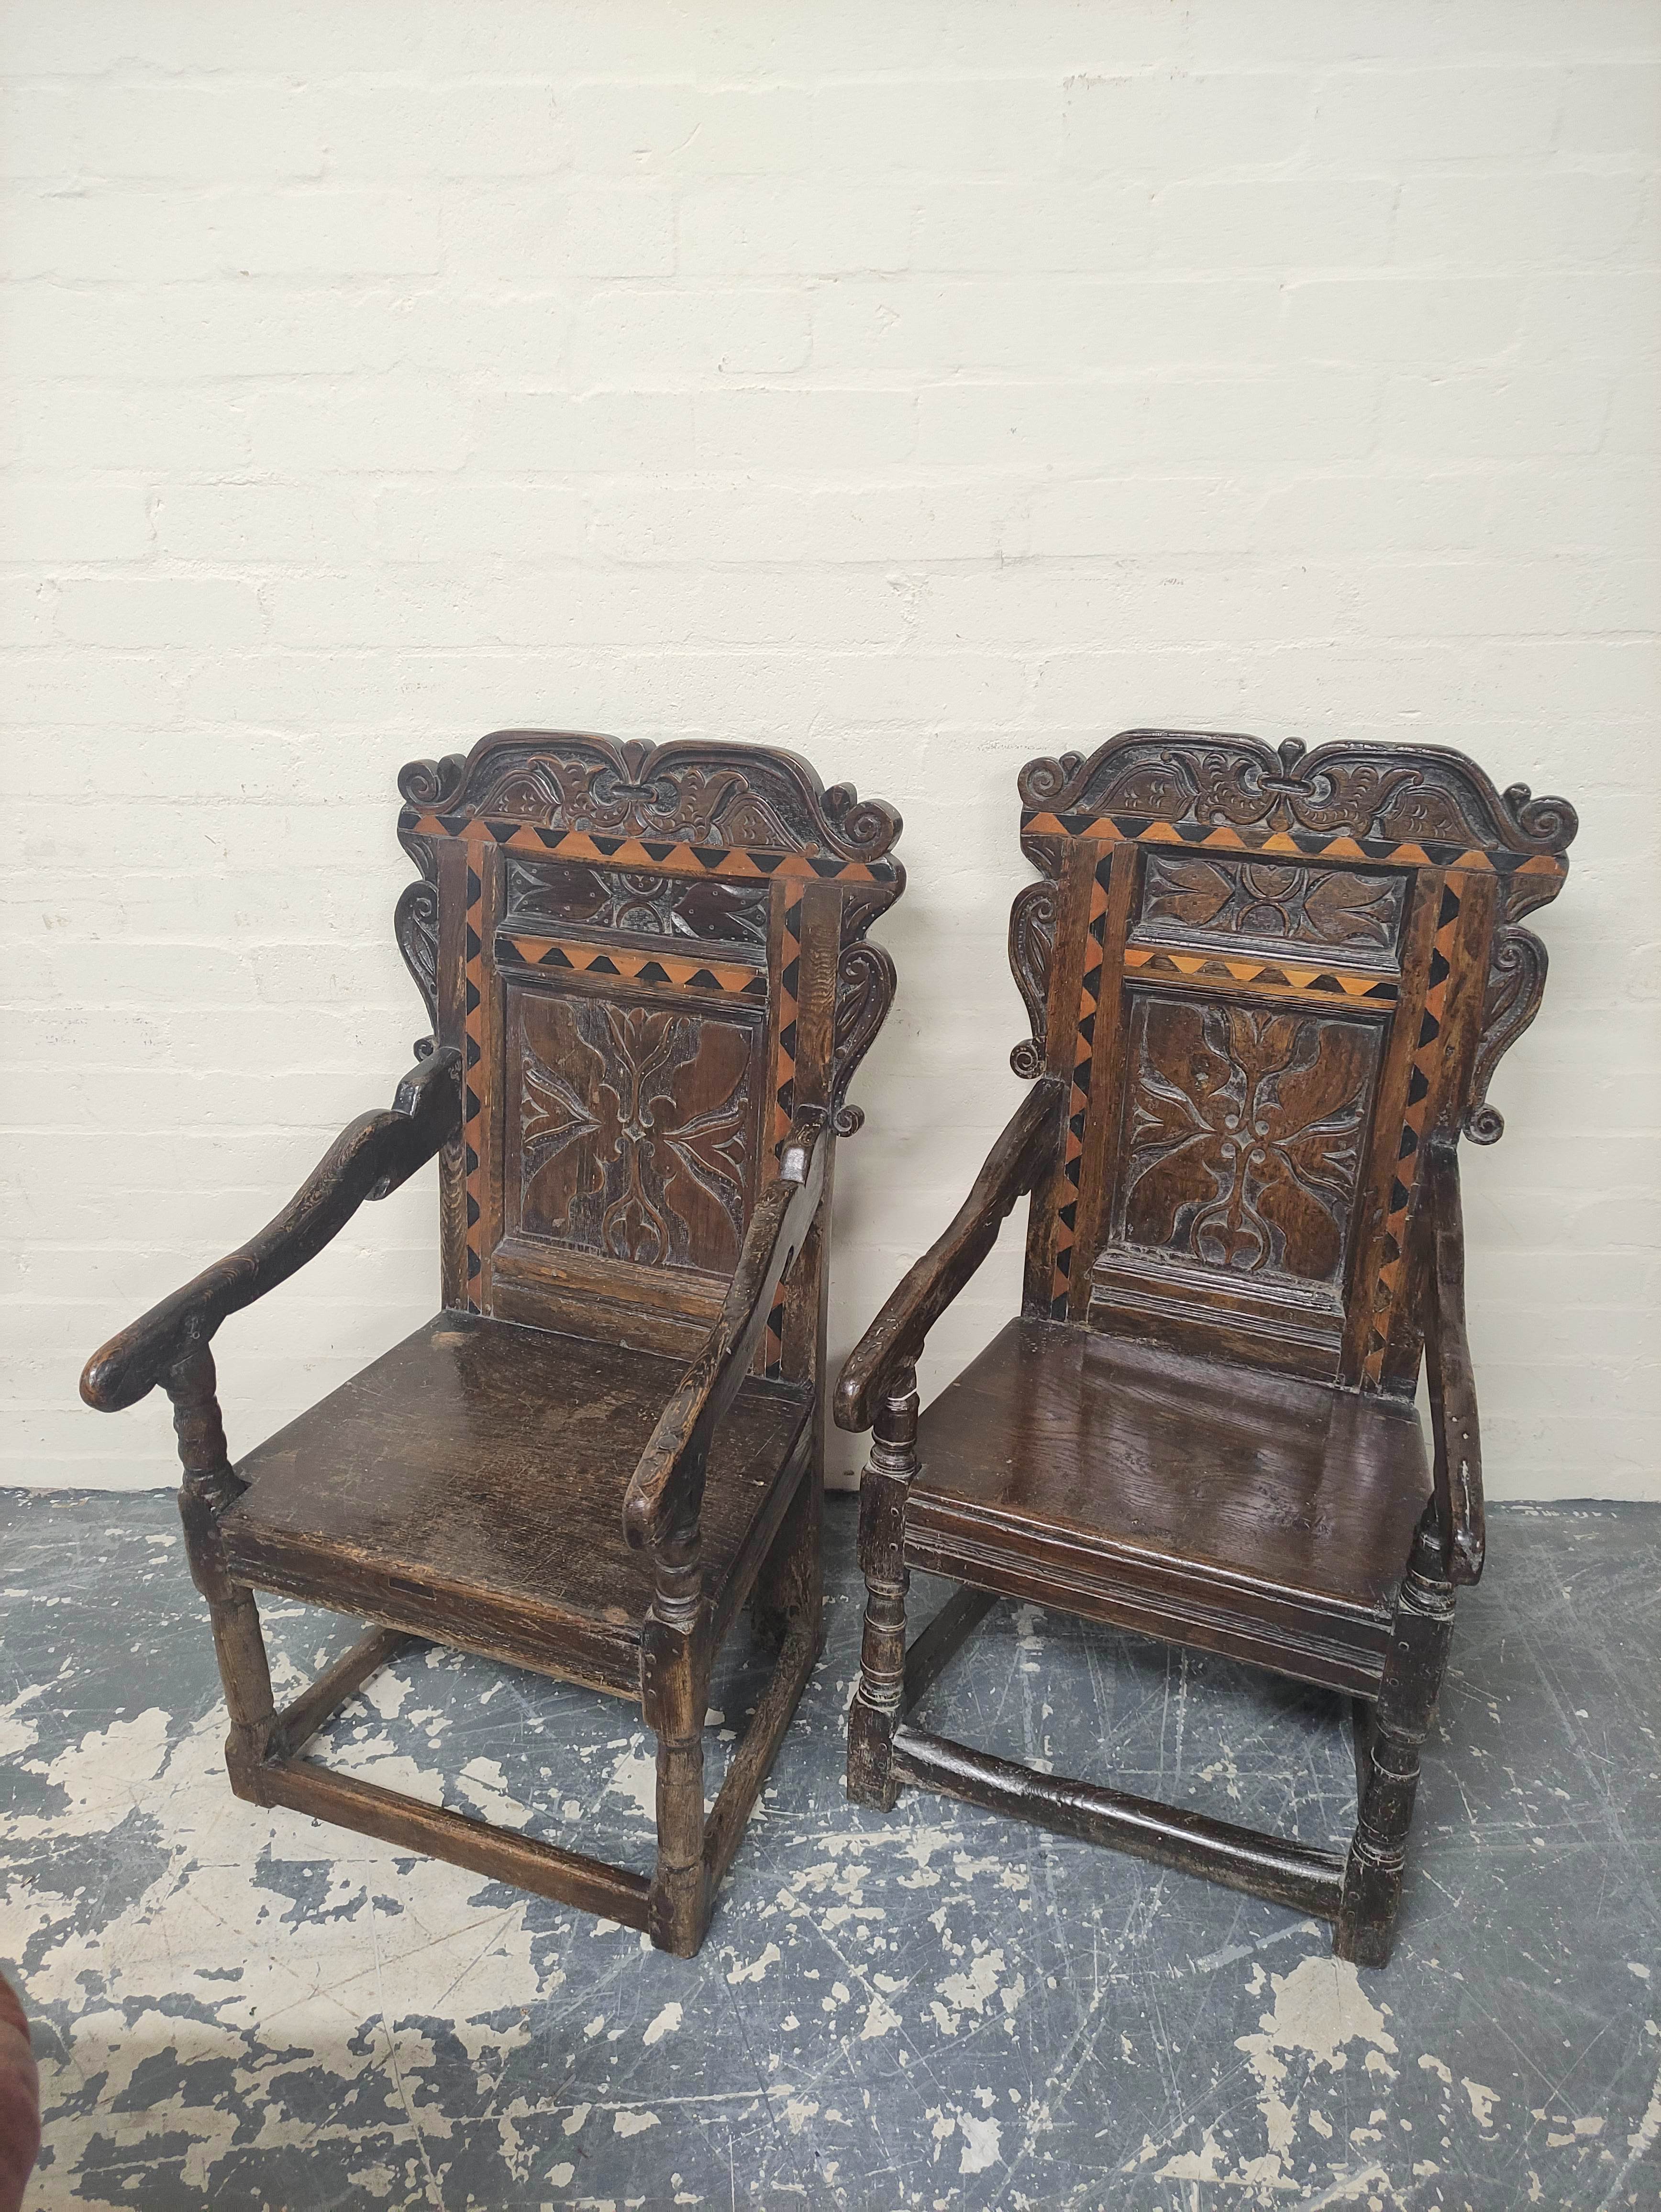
(1268, 982)
(650, 960)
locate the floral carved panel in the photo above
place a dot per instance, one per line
(630, 1129)
(1245, 1135)
(1339, 913)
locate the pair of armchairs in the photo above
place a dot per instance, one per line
(1266, 994)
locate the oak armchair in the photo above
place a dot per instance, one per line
(1268, 993)
(649, 986)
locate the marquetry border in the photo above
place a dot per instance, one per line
(784, 1088)
(1302, 844)
(543, 952)
(748, 862)
(1421, 1083)
(1078, 1103)
(473, 1132)
(1278, 976)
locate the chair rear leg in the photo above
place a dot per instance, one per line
(1389, 1780)
(884, 1489)
(803, 1575)
(211, 1486)
(790, 1584)
(798, 1593)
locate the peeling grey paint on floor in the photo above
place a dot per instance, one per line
(936, 2009)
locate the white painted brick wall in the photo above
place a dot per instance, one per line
(926, 386)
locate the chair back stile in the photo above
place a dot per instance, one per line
(650, 959)
(1267, 983)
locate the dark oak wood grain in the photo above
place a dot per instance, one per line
(1298, 1876)
(373, 1809)
(1267, 990)
(649, 984)
(469, 1487)
(1047, 1473)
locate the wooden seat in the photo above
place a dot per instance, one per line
(469, 1486)
(649, 985)
(1044, 1473)
(1267, 994)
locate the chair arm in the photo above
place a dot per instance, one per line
(1021, 1156)
(368, 1159)
(1452, 1388)
(665, 1491)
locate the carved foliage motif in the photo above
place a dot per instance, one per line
(1397, 795)
(1244, 1135)
(1333, 909)
(1351, 796)
(694, 805)
(630, 1134)
(1517, 979)
(414, 923)
(653, 905)
(1031, 950)
(691, 793)
(865, 991)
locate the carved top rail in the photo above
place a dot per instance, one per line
(693, 804)
(635, 844)
(1404, 806)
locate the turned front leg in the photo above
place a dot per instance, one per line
(1390, 1781)
(210, 1485)
(883, 1491)
(674, 1681)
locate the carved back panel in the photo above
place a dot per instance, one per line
(1267, 979)
(650, 959)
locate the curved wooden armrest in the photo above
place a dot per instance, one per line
(1452, 1388)
(665, 1491)
(1015, 1163)
(372, 1157)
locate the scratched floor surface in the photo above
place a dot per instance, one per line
(242, 2008)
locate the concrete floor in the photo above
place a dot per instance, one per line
(240, 2009)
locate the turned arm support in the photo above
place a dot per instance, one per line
(665, 1491)
(1452, 1388)
(373, 1156)
(1022, 1155)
